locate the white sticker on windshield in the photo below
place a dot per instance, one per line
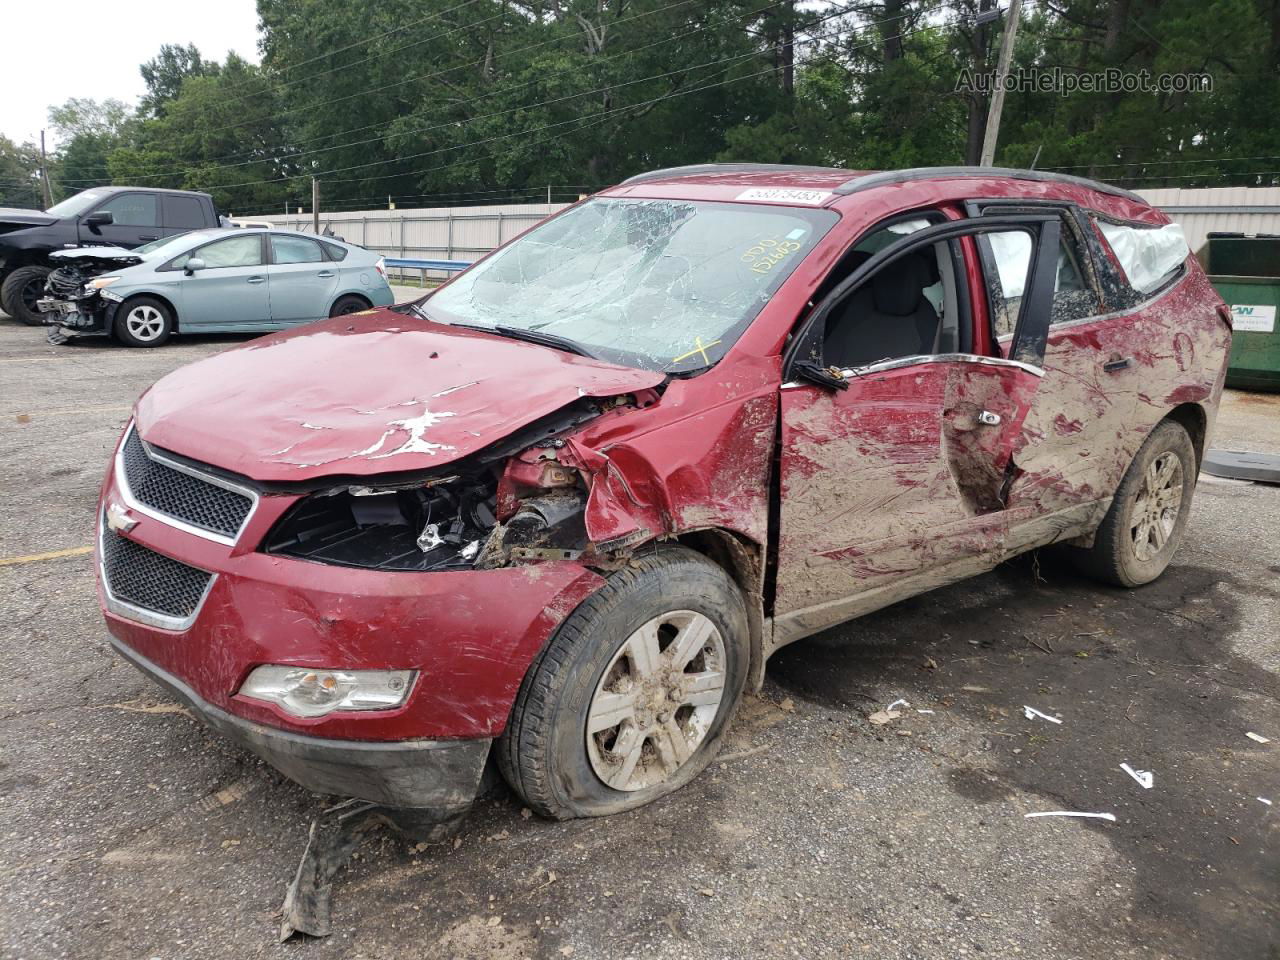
(796, 234)
(812, 198)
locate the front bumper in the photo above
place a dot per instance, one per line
(439, 775)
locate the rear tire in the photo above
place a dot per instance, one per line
(655, 661)
(21, 290)
(1141, 531)
(143, 322)
(348, 304)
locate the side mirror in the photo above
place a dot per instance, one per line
(100, 219)
(194, 264)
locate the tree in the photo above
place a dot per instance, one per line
(88, 131)
(165, 73)
(19, 175)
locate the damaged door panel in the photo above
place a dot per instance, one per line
(894, 474)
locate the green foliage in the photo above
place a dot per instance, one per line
(19, 177)
(434, 101)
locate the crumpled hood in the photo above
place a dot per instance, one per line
(16, 216)
(105, 254)
(366, 394)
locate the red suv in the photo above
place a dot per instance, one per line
(562, 509)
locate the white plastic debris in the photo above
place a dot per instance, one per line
(896, 703)
(924, 711)
(1146, 779)
(1257, 737)
(1264, 800)
(1031, 713)
(1072, 813)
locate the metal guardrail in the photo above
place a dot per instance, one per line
(409, 263)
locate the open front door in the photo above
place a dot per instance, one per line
(894, 472)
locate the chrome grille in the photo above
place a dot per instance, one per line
(180, 495)
(150, 581)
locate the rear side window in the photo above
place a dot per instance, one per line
(1151, 257)
(183, 212)
(132, 210)
(336, 253)
(295, 250)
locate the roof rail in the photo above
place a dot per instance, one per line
(698, 168)
(872, 180)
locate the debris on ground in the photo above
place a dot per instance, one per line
(1031, 713)
(1257, 737)
(1072, 813)
(1145, 778)
(1264, 800)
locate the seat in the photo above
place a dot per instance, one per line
(887, 317)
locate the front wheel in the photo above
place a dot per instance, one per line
(1142, 528)
(631, 698)
(143, 322)
(21, 290)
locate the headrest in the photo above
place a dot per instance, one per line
(899, 287)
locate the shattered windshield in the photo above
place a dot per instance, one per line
(659, 284)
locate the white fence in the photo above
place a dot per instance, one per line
(429, 233)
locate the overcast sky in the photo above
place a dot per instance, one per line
(85, 48)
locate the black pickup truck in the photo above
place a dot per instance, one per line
(104, 216)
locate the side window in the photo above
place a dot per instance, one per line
(1007, 260)
(336, 253)
(132, 210)
(295, 250)
(909, 307)
(243, 251)
(1150, 257)
(183, 212)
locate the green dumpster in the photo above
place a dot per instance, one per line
(1245, 271)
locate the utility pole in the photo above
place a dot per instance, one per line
(315, 205)
(997, 95)
(44, 174)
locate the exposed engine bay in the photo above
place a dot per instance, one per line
(70, 306)
(491, 512)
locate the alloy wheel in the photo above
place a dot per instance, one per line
(145, 322)
(1155, 508)
(656, 701)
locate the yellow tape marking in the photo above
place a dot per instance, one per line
(700, 347)
(51, 555)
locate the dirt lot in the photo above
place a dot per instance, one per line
(128, 832)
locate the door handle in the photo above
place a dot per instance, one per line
(148, 238)
(1116, 364)
(325, 273)
(257, 279)
(989, 419)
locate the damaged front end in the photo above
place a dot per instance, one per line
(76, 302)
(522, 501)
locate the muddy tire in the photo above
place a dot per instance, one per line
(632, 696)
(348, 304)
(1141, 531)
(143, 322)
(20, 291)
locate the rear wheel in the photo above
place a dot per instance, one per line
(21, 290)
(143, 322)
(348, 304)
(1141, 531)
(632, 696)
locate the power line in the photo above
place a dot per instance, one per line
(860, 28)
(1152, 163)
(591, 120)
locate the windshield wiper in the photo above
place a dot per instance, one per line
(533, 336)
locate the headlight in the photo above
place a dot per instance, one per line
(97, 283)
(306, 692)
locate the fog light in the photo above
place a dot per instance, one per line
(307, 692)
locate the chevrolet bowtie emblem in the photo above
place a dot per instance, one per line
(120, 519)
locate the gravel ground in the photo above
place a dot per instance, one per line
(130, 832)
